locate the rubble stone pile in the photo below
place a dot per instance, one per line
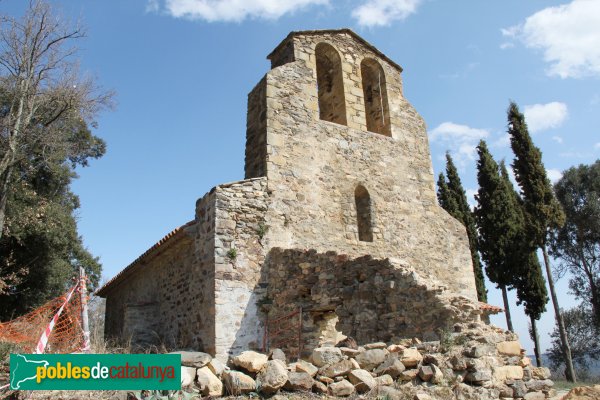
(472, 361)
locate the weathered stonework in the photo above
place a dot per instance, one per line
(314, 167)
(337, 216)
(371, 299)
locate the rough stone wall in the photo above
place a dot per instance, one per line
(154, 304)
(256, 131)
(170, 297)
(313, 168)
(239, 255)
(202, 278)
(365, 298)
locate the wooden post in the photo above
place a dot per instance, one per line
(85, 325)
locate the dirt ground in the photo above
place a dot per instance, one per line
(110, 395)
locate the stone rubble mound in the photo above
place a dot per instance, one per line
(584, 393)
(474, 362)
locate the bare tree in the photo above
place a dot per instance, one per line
(41, 90)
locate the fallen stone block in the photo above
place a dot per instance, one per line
(479, 377)
(193, 358)
(395, 348)
(305, 366)
(508, 372)
(539, 385)
(525, 362)
(350, 352)
(540, 373)
(340, 368)
(422, 396)
(535, 396)
(236, 383)
(391, 366)
(299, 381)
(519, 389)
(384, 380)
(188, 376)
(342, 388)
(277, 354)
(324, 379)
(378, 345)
(216, 366)
(410, 357)
(272, 377)
(389, 393)
(251, 361)
(208, 383)
(438, 375)
(409, 375)
(319, 387)
(511, 348)
(322, 356)
(362, 380)
(425, 373)
(371, 359)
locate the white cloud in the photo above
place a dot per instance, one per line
(231, 10)
(152, 6)
(511, 175)
(383, 12)
(540, 117)
(452, 131)
(554, 175)
(597, 145)
(568, 36)
(507, 45)
(471, 198)
(575, 154)
(558, 139)
(461, 140)
(502, 141)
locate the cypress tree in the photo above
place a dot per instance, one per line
(499, 223)
(542, 210)
(530, 284)
(452, 198)
(531, 292)
(444, 198)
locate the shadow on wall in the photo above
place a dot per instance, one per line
(365, 298)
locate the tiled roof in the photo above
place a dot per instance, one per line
(120, 276)
(490, 309)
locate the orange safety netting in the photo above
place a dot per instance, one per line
(66, 336)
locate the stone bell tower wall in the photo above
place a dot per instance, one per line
(326, 177)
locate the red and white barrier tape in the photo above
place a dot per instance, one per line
(41, 346)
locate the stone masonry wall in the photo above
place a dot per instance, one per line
(256, 131)
(365, 298)
(161, 287)
(239, 255)
(314, 167)
(169, 297)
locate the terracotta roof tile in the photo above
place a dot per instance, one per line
(102, 291)
(490, 309)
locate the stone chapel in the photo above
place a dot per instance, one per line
(335, 230)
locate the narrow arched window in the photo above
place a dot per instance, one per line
(330, 84)
(363, 214)
(375, 96)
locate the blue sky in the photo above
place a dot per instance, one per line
(182, 70)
